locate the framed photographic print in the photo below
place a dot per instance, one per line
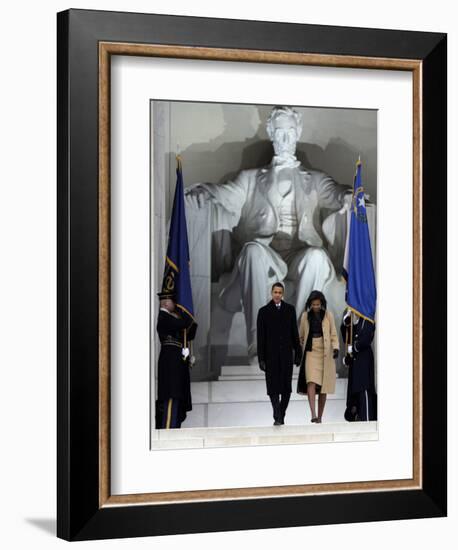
(264, 141)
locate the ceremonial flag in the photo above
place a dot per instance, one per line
(177, 280)
(358, 268)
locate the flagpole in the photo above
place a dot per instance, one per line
(185, 332)
(179, 168)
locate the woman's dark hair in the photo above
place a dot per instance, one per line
(316, 295)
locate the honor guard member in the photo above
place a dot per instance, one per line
(176, 329)
(358, 334)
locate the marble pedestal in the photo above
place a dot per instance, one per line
(221, 337)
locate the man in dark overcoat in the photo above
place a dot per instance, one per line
(358, 334)
(278, 347)
(175, 330)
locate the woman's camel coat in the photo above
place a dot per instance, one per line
(331, 342)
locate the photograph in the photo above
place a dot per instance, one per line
(266, 259)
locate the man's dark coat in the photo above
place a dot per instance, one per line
(278, 342)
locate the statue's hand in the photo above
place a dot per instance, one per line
(348, 197)
(346, 202)
(196, 197)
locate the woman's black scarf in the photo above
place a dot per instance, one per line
(308, 345)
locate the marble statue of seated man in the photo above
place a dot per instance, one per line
(274, 217)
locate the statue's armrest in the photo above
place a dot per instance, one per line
(335, 231)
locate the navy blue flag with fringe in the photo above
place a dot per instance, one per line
(177, 279)
(358, 269)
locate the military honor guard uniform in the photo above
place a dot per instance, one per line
(358, 334)
(175, 331)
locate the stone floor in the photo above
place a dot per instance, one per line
(200, 438)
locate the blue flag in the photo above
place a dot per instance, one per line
(177, 278)
(358, 268)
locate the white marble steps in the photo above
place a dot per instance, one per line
(257, 413)
(239, 398)
(236, 390)
(201, 438)
(244, 372)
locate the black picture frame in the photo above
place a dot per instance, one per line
(80, 514)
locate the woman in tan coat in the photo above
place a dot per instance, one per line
(320, 346)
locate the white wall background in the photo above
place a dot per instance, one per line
(27, 273)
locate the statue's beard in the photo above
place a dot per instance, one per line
(287, 153)
(284, 156)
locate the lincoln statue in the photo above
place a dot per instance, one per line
(274, 216)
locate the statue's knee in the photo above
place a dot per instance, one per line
(252, 251)
(313, 256)
(316, 253)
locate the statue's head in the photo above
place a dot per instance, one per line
(284, 127)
